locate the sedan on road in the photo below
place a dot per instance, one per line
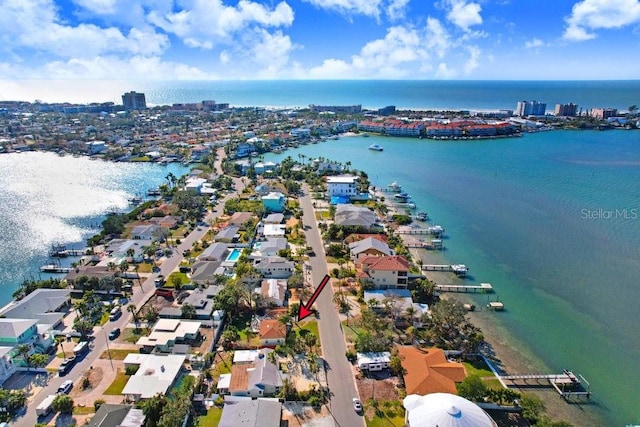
(65, 387)
(357, 405)
(114, 334)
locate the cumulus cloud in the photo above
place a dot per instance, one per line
(395, 9)
(437, 37)
(464, 14)
(36, 25)
(443, 71)
(209, 22)
(590, 15)
(534, 44)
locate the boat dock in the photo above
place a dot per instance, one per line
(482, 288)
(63, 253)
(435, 244)
(566, 384)
(459, 269)
(54, 268)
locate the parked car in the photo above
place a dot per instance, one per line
(114, 334)
(66, 365)
(357, 405)
(65, 387)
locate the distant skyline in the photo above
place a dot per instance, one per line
(319, 39)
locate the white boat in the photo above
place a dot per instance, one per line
(395, 187)
(422, 216)
(403, 197)
(411, 205)
(375, 147)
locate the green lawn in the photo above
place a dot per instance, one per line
(83, 410)
(117, 354)
(133, 335)
(144, 267)
(117, 385)
(220, 367)
(478, 367)
(211, 419)
(183, 279)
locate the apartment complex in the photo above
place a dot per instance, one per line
(530, 108)
(134, 101)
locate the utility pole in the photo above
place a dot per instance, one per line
(108, 351)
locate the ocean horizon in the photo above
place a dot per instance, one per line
(474, 95)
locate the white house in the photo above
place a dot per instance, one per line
(258, 379)
(155, 374)
(373, 361)
(167, 332)
(344, 185)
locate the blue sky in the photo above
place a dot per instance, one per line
(319, 39)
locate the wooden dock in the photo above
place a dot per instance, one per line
(459, 269)
(434, 245)
(482, 288)
(54, 268)
(63, 253)
(567, 384)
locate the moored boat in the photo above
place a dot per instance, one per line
(375, 147)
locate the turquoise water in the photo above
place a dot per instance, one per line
(552, 220)
(47, 199)
(234, 255)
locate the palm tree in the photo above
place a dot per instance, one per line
(23, 351)
(132, 309)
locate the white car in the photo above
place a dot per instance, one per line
(357, 405)
(65, 387)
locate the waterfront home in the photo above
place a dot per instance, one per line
(264, 167)
(132, 250)
(354, 215)
(272, 333)
(250, 412)
(386, 272)
(274, 267)
(155, 374)
(146, 232)
(113, 415)
(274, 202)
(258, 379)
(47, 306)
(344, 185)
(444, 410)
(368, 247)
(428, 370)
(95, 147)
(15, 332)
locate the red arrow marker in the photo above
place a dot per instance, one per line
(305, 310)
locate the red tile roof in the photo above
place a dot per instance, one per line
(272, 329)
(428, 371)
(386, 263)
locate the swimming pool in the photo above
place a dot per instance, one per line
(234, 254)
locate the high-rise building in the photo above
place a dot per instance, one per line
(567, 110)
(134, 101)
(531, 108)
(603, 113)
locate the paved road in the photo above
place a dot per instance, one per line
(340, 379)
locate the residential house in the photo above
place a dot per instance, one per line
(270, 247)
(251, 413)
(44, 305)
(368, 247)
(214, 252)
(95, 147)
(273, 218)
(274, 291)
(274, 202)
(399, 301)
(133, 250)
(205, 272)
(429, 371)
(15, 332)
(373, 361)
(386, 272)
(264, 167)
(274, 267)
(155, 374)
(7, 368)
(228, 234)
(342, 186)
(167, 221)
(445, 409)
(114, 415)
(258, 379)
(168, 332)
(240, 219)
(355, 215)
(244, 149)
(272, 230)
(151, 232)
(272, 332)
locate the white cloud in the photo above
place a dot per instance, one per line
(390, 57)
(444, 72)
(99, 7)
(473, 61)
(589, 15)
(209, 22)
(36, 25)
(464, 14)
(534, 44)
(437, 37)
(394, 9)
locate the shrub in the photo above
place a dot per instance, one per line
(97, 404)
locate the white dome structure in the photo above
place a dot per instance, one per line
(444, 410)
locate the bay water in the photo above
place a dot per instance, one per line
(552, 220)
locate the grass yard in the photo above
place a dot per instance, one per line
(144, 267)
(183, 279)
(388, 414)
(117, 385)
(133, 335)
(479, 368)
(83, 410)
(117, 354)
(211, 419)
(222, 366)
